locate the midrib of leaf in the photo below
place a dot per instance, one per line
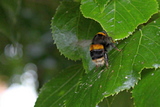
(140, 39)
(118, 71)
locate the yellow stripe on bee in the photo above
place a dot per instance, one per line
(96, 46)
(101, 33)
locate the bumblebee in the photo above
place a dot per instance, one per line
(98, 48)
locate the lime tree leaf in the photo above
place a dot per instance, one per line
(72, 33)
(119, 17)
(56, 92)
(147, 92)
(139, 51)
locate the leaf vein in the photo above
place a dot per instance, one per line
(152, 40)
(137, 50)
(138, 10)
(150, 51)
(60, 87)
(127, 12)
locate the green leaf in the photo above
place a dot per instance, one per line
(147, 92)
(56, 92)
(119, 17)
(122, 99)
(139, 51)
(72, 33)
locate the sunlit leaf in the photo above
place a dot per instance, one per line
(119, 17)
(146, 93)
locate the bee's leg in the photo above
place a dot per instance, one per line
(106, 59)
(115, 47)
(112, 44)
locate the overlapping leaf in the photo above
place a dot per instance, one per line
(139, 51)
(119, 17)
(72, 33)
(146, 93)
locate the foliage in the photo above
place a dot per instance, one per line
(134, 24)
(72, 34)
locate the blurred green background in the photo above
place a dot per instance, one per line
(25, 38)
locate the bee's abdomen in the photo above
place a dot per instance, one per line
(98, 53)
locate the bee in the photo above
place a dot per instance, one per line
(98, 48)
